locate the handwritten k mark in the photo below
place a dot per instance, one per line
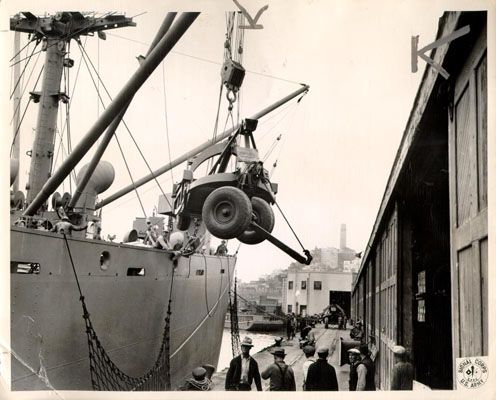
(251, 21)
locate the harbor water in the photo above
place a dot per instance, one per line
(260, 342)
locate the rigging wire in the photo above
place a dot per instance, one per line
(115, 134)
(206, 60)
(26, 85)
(72, 35)
(22, 73)
(126, 126)
(19, 127)
(24, 47)
(130, 175)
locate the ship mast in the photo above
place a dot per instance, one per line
(55, 31)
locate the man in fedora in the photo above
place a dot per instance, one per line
(321, 375)
(281, 375)
(243, 369)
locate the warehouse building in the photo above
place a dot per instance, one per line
(422, 282)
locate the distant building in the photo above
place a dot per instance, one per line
(352, 266)
(309, 292)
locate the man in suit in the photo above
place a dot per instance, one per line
(321, 375)
(243, 370)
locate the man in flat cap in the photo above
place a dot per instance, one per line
(402, 374)
(321, 375)
(309, 354)
(243, 370)
(280, 374)
(199, 382)
(365, 370)
(354, 356)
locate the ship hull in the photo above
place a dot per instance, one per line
(48, 339)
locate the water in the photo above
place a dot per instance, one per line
(260, 341)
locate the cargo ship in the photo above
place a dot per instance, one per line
(95, 313)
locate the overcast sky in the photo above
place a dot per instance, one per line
(338, 144)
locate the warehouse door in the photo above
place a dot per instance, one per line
(388, 303)
(468, 202)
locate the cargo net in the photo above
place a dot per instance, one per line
(233, 311)
(105, 375)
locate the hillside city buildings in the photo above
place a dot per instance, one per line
(305, 289)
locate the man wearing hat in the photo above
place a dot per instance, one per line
(309, 354)
(243, 369)
(280, 374)
(365, 370)
(354, 356)
(199, 382)
(402, 374)
(221, 249)
(321, 375)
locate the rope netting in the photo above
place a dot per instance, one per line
(233, 312)
(105, 375)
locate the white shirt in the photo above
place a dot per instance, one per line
(309, 361)
(245, 367)
(362, 373)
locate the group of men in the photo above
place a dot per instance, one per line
(318, 374)
(243, 371)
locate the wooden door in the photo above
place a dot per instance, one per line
(468, 199)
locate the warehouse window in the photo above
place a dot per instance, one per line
(290, 285)
(303, 285)
(290, 308)
(420, 296)
(317, 285)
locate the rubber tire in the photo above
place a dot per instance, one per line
(183, 222)
(265, 218)
(229, 200)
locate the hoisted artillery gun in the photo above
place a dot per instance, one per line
(232, 204)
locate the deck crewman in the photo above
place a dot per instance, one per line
(321, 375)
(243, 370)
(221, 249)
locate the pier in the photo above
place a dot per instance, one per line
(295, 358)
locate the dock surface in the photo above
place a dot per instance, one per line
(295, 358)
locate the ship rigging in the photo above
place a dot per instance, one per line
(113, 278)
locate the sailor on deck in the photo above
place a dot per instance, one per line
(221, 249)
